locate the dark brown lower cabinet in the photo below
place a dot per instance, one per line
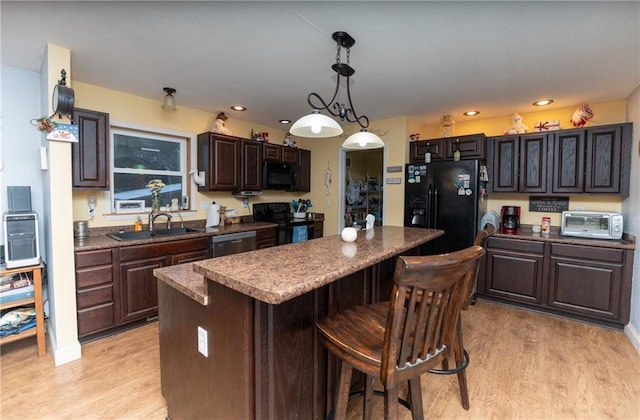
(265, 238)
(587, 282)
(515, 270)
(116, 286)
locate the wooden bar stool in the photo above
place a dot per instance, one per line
(399, 340)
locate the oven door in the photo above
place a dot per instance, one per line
(295, 232)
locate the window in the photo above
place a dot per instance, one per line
(139, 157)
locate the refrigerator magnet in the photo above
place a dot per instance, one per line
(461, 191)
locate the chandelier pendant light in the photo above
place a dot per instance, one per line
(317, 125)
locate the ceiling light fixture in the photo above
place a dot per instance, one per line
(470, 113)
(169, 102)
(543, 102)
(284, 121)
(317, 125)
(238, 108)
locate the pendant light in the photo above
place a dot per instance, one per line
(169, 101)
(317, 125)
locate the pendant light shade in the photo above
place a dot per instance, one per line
(169, 101)
(316, 125)
(363, 140)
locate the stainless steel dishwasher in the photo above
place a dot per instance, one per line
(233, 243)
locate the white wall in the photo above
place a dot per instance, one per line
(20, 147)
(632, 217)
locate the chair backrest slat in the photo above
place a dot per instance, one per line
(427, 296)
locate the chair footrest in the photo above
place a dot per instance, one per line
(455, 370)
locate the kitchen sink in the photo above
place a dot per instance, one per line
(145, 234)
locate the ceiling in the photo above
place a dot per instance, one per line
(418, 59)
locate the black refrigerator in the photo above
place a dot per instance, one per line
(445, 195)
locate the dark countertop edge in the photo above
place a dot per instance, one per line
(272, 297)
(628, 241)
(100, 240)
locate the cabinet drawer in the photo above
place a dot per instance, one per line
(93, 276)
(139, 252)
(587, 253)
(95, 296)
(93, 258)
(95, 319)
(516, 245)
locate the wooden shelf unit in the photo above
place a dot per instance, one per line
(36, 300)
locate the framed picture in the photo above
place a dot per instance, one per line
(130, 206)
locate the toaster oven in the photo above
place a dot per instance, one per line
(592, 224)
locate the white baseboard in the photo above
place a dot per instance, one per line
(63, 355)
(633, 335)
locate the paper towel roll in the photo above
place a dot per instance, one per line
(213, 215)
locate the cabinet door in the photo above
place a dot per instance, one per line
(504, 163)
(603, 160)
(90, 156)
(139, 290)
(289, 155)
(533, 163)
(417, 149)
(219, 157)
(303, 174)
(471, 147)
(514, 270)
(251, 165)
(568, 162)
(585, 280)
(272, 152)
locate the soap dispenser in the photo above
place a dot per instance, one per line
(137, 226)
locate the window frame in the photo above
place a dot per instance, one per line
(188, 149)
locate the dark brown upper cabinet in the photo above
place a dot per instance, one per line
(219, 156)
(418, 149)
(471, 146)
(568, 161)
(519, 163)
(594, 160)
(303, 175)
(251, 165)
(90, 156)
(276, 153)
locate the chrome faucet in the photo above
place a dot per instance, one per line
(153, 216)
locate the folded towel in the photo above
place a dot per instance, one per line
(299, 234)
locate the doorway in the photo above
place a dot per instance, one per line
(361, 186)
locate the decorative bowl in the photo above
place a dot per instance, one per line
(299, 215)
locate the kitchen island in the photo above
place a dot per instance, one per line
(264, 359)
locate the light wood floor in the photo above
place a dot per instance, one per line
(524, 365)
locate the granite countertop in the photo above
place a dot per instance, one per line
(627, 242)
(277, 274)
(98, 238)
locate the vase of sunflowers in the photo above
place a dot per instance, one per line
(155, 186)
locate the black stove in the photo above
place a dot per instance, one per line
(289, 229)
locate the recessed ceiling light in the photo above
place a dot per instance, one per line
(470, 113)
(238, 108)
(285, 121)
(543, 102)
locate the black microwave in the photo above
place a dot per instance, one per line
(278, 176)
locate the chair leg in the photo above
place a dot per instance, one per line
(367, 404)
(342, 398)
(415, 393)
(458, 352)
(391, 403)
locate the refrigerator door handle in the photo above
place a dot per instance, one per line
(429, 206)
(435, 208)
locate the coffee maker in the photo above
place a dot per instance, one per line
(509, 219)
